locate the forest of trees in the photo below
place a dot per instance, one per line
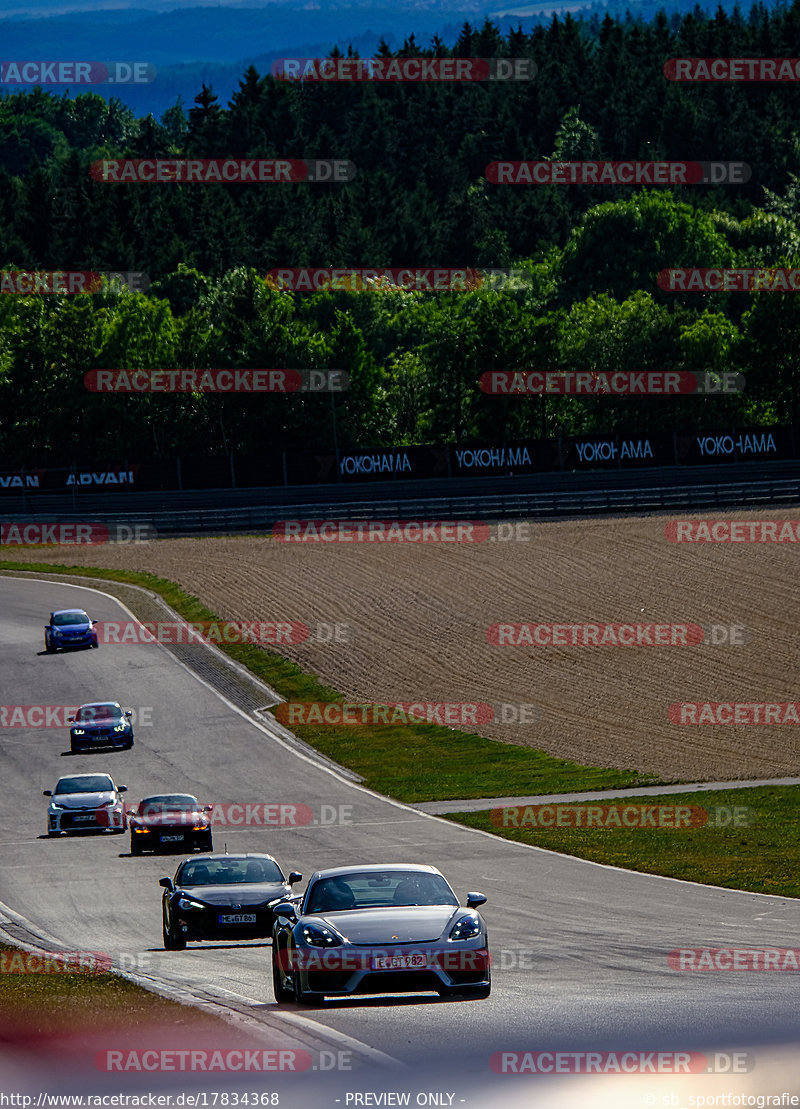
(591, 254)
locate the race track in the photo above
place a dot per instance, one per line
(580, 950)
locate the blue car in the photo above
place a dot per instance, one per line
(100, 724)
(69, 627)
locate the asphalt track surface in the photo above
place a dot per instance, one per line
(580, 951)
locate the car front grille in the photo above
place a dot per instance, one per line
(101, 733)
(402, 981)
(76, 819)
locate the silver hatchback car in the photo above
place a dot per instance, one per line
(86, 802)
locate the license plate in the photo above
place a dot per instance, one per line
(85, 816)
(237, 918)
(171, 839)
(398, 962)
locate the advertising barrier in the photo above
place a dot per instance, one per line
(620, 451)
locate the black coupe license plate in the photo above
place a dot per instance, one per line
(237, 918)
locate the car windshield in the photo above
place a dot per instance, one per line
(375, 890)
(92, 783)
(229, 871)
(88, 714)
(62, 618)
(168, 802)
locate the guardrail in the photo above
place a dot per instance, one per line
(569, 499)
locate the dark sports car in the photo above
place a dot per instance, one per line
(170, 821)
(223, 897)
(69, 627)
(100, 724)
(394, 928)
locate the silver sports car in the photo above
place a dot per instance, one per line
(389, 928)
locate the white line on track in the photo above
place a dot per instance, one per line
(354, 1045)
(237, 996)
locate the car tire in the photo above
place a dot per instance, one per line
(173, 941)
(209, 845)
(282, 993)
(95, 646)
(52, 834)
(49, 650)
(127, 746)
(136, 847)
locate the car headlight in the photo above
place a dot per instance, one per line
(60, 808)
(79, 731)
(188, 903)
(466, 928)
(120, 727)
(317, 935)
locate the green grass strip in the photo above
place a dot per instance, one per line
(65, 1001)
(762, 856)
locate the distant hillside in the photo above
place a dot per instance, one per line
(194, 43)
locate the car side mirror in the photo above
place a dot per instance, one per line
(475, 899)
(70, 719)
(47, 793)
(94, 621)
(166, 883)
(295, 876)
(124, 789)
(285, 909)
(128, 712)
